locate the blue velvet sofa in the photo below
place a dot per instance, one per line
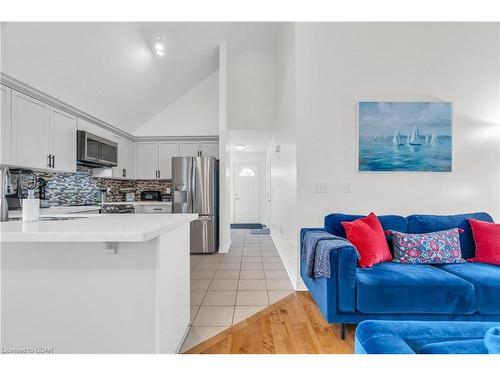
(389, 337)
(395, 291)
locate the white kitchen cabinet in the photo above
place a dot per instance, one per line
(129, 161)
(42, 137)
(156, 209)
(30, 132)
(125, 158)
(209, 148)
(166, 151)
(62, 140)
(147, 160)
(189, 148)
(5, 125)
(154, 159)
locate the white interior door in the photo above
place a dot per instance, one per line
(246, 193)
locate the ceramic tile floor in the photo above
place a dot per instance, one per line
(228, 288)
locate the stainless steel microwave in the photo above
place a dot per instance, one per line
(95, 151)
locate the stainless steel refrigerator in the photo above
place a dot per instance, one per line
(195, 184)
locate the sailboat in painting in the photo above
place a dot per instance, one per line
(434, 139)
(396, 140)
(415, 137)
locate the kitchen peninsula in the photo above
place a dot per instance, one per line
(96, 284)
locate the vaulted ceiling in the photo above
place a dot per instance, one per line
(110, 70)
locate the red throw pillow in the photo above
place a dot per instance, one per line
(487, 238)
(367, 235)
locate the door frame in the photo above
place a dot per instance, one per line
(234, 189)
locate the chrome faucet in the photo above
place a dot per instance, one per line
(4, 189)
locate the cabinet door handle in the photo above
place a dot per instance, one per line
(53, 161)
(49, 161)
(159, 174)
(124, 172)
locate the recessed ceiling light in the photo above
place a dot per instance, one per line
(240, 147)
(159, 45)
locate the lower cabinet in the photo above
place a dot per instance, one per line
(154, 209)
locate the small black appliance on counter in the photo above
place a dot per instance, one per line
(151, 195)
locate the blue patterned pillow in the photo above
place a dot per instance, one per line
(427, 248)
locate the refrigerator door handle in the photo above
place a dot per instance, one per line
(193, 185)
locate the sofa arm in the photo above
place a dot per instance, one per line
(338, 292)
(345, 261)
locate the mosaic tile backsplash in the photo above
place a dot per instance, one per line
(81, 188)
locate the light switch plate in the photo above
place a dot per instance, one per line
(345, 187)
(320, 188)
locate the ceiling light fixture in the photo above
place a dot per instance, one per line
(159, 45)
(240, 147)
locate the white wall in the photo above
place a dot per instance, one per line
(196, 113)
(224, 156)
(284, 203)
(339, 64)
(258, 158)
(251, 93)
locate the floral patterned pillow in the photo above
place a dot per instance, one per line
(427, 248)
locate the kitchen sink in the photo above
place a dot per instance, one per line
(52, 218)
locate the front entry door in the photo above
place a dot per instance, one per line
(246, 194)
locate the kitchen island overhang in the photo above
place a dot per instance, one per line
(100, 284)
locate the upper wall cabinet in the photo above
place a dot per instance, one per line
(62, 140)
(30, 132)
(209, 148)
(191, 148)
(154, 159)
(147, 160)
(5, 125)
(42, 137)
(125, 158)
(166, 151)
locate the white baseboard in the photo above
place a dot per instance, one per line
(293, 278)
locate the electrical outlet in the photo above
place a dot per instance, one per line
(282, 229)
(320, 188)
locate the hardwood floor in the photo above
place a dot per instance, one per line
(293, 325)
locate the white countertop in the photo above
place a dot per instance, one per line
(57, 210)
(144, 203)
(94, 228)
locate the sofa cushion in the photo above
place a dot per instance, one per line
(486, 281)
(333, 223)
(412, 288)
(492, 340)
(487, 241)
(427, 248)
(475, 346)
(435, 223)
(367, 235)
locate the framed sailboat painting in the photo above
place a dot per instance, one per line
(405, 136)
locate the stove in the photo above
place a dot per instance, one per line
(117, 208)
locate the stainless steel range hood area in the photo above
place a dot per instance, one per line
(94, 151)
